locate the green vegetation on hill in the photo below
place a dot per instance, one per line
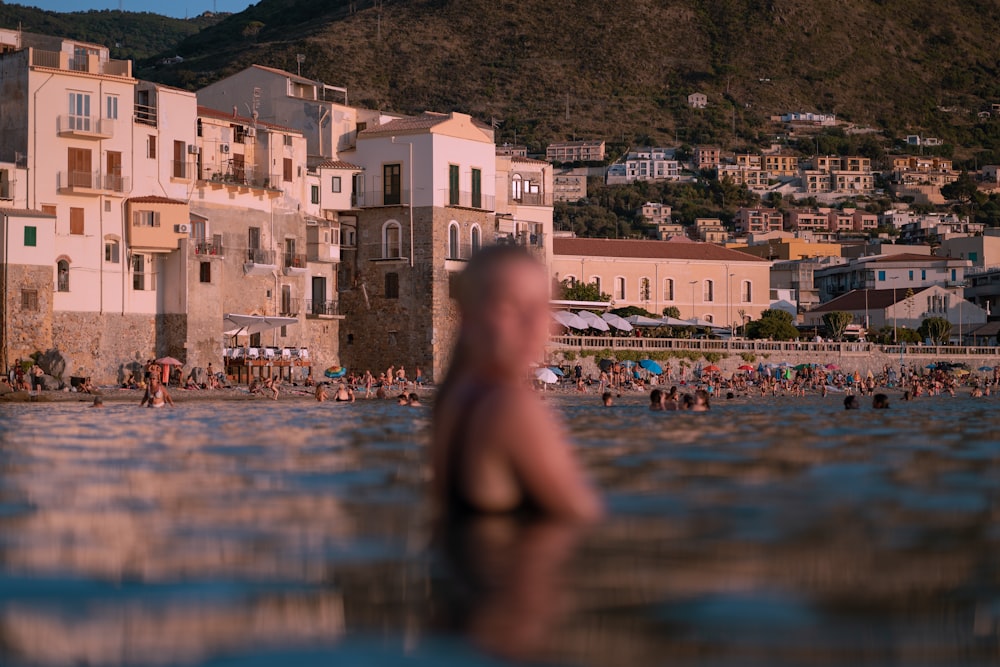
(622, 70)
(129, 35)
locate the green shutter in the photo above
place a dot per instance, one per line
(477, 188)
(453, 185)
(30, 236)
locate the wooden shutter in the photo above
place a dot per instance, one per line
(76, 221)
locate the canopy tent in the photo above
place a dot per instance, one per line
(593, 320)
(643, 321)
(674, 322)
(570, 320)
(245, 325)
(617, 322)
(700, 323)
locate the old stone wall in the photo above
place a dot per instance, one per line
(102, 345)
(28, 329)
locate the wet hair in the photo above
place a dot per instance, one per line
(414, 397)
(703, 395)
(730, 395)
(473, 285)
(907, 395)
(880, 402)
(655, 397)
(851, 403)
(687, 400)
(606, 396)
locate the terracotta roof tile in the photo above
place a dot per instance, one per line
(527, 160)
(877, 299)
(242, 120)
(25, 213)
(648, 250)
(424, 121)
(153, 199)
(339, 164)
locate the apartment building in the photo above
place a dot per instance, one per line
(849, 175)
(758, 220)
(575, 151)
(702, 280)
(570, 185)
(656, 213)
(923, 170)
(645, 164)
(754, 178)
(706, 157)
(901, 271)
(697, 100)
(512, 150)
(781, 165)
(711, 230)
(834, 221)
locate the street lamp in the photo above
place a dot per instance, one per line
(895, 317)
(729, 304)
(694, 316)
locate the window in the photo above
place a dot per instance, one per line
(923, 274)
(454, 251)
(709, 318)
(113, 173)
(570, 280)
(709, 291)
(881, 276)
(286, 301)
(29, 299)
(145, 219)
(198, 231)
(746, 293)
(253, 238)
(180, 163)
(335, 184)
(516, 187)
(668, 289)
(287, 168)
(476, 238)
(62, 275)
(76, 221)
(596, 280)
(392, 241)
(477, 188)
(138, 272)
(111, 108)
(239, 134)
(205, 272)
(620, 288)
(314, 194)
(392, 285)
(111, 251)
(79, 166)
(391, 185)
(79, 112)
(453, 196)
(911, 275)
(645, 291)
(954, 275)
(288, 139)
(30, 237)
(151, 147)
(48, 209)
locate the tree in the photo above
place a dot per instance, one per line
(964, 190)
(629, 311)
(774, 325)
(672, 311)
(583, 292)
(252, 29)
(938, 329)
(836, 323)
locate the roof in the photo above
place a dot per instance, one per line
(408, 124)
(566, 144)
(633, 249)
(243, 120)
(873, 299)
(291, 75)
(25, 213)
(909, 257)
(527, 160)
(989, 329)
(153, 199)
(339, 164)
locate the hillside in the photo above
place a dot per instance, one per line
(130, 35)
(622, 70)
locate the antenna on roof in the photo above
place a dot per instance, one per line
(300, 58)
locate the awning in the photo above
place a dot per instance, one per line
(244, 325)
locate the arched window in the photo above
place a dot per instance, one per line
(668, 289)
(596, 280)
(454, 250)
(708, 318)
(746, 293)
(709, 291)
(112, 251)
(392, 240)
(62, 275)
(476, 236)
(516, 187)
(620, 288)
(645, 289)
(570, 281)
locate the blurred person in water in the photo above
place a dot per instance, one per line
(496, 447)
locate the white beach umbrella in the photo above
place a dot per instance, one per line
(570, 320)
(643, 321)
(546, 375)
(617, 322)
(593, 321)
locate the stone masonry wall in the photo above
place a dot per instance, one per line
(102, 345)
(28, 331)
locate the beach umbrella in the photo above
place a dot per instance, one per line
(985, 369)
(628, 363)
(334, 372)
(712, 368)
(651, 366)
(557, 371)
(803, 367)
(930, 367)
(643, 321)
(606, 364)
(961, 371)
(168, 361)
(745, 367)
(546, 375)
(593, 321)
(570, 320)
(617, 322)
(760, 367)
(832, 367)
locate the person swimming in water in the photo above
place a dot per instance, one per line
(156, 394)
(321, 393)
(880, 402)
(656, 401)
(496, 448)
(344, 394)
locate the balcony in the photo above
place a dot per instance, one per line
(145, 115)
(259, 262)
(523, 239)
(295, 264)
(90, 64)
(206, 248)
(243, 178)
(90, 183)
(379, 199)
(384, 252)
(289, 307)
(321, 309)
(85, 127)
(326, 253)
(181, 170)
(476, 201)
(533, 199)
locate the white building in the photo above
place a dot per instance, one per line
(645, 164)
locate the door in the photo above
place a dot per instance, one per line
(113, 172)
(238, 168)
(79, 168)
(180, 165)
(453, 196)
(391, 181)
(319, 295)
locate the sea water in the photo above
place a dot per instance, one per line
(770, 532)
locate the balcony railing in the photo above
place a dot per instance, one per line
(379, 198)
(258, 256)
(523, 239)
(145, 114)
(294, 261)
(85, 127)
(321, 308)
(88, 182)
(208, 248)
(182, 170)
(289, 308)
(463, 199)
(242, 176)
(91, 63)
(144, 282)
(533, 199)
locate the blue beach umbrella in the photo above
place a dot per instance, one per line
(930, 367)
(985, 369)
(651, 366)
(557, 371)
